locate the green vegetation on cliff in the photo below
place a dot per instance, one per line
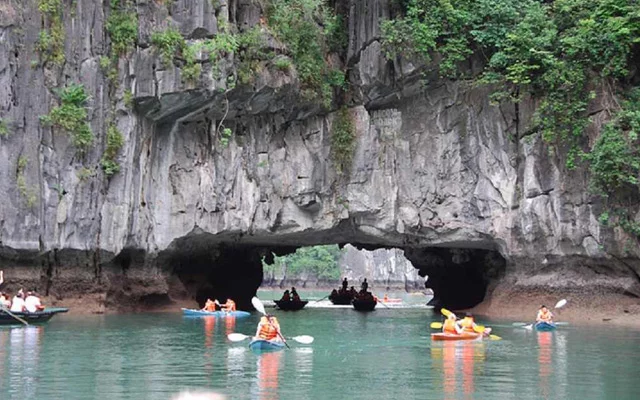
(343, 139)
(27, 193)
(122, 26)
(114, 142)
(320, 261)
(561, 52)
(51, 39)
(71, 115)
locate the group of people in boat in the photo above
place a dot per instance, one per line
(351, 292)
(214, 305)
(21, 302)
(453, 325)
(290, 296)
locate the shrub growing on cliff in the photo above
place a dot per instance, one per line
(51, 38)
(343, 138)
(309, 29)
(71, 115)
(168, 42)
(115, 140)
(25, 191)
(4, 129)
(122, 25)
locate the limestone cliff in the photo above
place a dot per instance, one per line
(437, 170)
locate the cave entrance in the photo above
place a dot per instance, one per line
(458, 277)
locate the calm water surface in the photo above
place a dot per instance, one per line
(386, 354)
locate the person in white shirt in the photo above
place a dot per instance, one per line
(17, 305)
(32, 303)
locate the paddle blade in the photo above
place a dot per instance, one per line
(561, 303)
(561, 323)
(436, 325)
(478, 329)
(258, 305)
(236, 337)
(304, 339)
(446, 312)
(495, 337)
(519, 324)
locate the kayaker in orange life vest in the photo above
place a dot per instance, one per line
(229, 306)
(209, 306)
(269, 328)
(544, 315)
(451, 325)
(467, 323)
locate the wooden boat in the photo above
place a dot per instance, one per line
(452, 336)
(189, 312)
(30, 317)
(290, 305)
(342, 299)
(261, 345)
(545, 326)
(364, 305)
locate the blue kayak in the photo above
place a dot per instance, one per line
(266, 345)
(199, 313)
(545, 326)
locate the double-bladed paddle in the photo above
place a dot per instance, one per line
(238, 337)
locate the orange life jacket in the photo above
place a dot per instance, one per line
(467, 324)
(449, 326)
(268, 330)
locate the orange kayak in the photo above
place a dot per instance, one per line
(450, 336)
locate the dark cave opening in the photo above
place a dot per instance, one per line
(459, 277)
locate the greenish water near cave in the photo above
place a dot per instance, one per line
(386, 354)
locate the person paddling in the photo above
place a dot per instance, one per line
(467, 323)
(544, 315)
(229, 306)
(209, 306)
(286, 296)
(269, 329)
(451, 325)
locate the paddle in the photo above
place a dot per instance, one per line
(260, 307)
(436, 325)
(381, 302)
(304, 339)
(323, 297)
(14, 316)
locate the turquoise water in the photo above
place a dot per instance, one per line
(386, 354)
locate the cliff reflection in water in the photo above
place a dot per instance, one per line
(458, 362)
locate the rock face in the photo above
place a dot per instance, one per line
(383, 268)
(458, 183)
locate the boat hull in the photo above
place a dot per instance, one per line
(341, 300)
(449, 336)
(290, 305)
(364, 305)
(187, 312)
(31, 318)
(545, 327)
(261, 345)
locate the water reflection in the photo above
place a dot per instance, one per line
(209, 330)
(545, 343)
(267, 376)
(19, 355)
(229, 324)
(458, 358)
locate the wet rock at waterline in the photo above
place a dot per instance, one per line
(436, 170)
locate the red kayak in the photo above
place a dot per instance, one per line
(452, 336)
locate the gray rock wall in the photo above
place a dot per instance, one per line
(435, 165)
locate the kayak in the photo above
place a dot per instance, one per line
(199, 313)
(266, 345)
(545, 326)
(451, 336)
